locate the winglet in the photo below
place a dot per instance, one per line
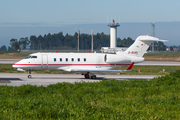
(89, 51)
(57, 51)
(130, 66)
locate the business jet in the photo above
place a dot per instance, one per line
(88, 63)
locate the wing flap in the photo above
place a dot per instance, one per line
(98, 71)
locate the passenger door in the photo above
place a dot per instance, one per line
(44, 61)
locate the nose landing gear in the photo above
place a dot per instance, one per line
(29, 72)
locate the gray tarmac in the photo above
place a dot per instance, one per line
(18, 79)
(159, 63)
(8, 61)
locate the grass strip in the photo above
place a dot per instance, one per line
(158, 98)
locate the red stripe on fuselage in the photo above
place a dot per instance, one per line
(73, 64)
(27, 64)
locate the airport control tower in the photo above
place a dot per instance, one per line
(113, 33)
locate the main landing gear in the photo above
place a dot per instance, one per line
(88, 75)
(29, 72)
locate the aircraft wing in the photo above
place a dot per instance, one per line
(96, 71)
(99, 71)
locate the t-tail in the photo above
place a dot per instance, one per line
(140, 46)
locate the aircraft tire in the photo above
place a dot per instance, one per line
(29, 76)
(93, 77)
(86, 76)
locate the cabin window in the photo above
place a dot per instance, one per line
(60, 59)
(66, 59)
(72, 59)
(78, 59)
(54, 59)
(33, 56)
(84, 59)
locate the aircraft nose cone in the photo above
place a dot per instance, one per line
(14, 65)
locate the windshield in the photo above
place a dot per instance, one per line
(27, 57)
(30, 57)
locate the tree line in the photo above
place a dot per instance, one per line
(58, 41)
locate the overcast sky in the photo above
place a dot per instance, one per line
(23, 18)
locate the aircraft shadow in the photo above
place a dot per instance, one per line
(60, 78)
(8, 80)
(98, 78)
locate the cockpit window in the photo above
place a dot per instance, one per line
(30, 57)
(27, 57)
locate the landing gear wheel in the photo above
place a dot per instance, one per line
(29, 76)
(93, 77)
(86, 76)
(29, 72)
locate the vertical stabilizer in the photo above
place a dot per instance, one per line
(140, 46)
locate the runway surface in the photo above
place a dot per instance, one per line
(159, 63)
(8, 61)
(18, 79)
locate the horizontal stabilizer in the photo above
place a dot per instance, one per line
(153, 40)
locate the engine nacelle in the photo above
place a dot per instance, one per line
(114, 59)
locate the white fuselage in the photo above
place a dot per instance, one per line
(68, 61)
